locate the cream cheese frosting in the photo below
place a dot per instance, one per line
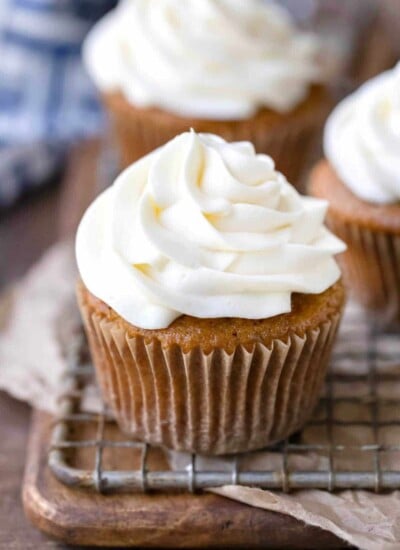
(205, 228)
(212, 59)
(362, 139)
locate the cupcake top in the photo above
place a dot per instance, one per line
(205, 228)
(211, 59)
(362, 139)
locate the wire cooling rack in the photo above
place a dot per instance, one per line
(352, 442)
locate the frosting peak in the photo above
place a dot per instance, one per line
(362, 139)
(205, 228)
(215, 59)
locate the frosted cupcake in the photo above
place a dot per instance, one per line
(238, 69)
(361, 180)
(210, 297)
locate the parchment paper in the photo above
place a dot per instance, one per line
(38, 317)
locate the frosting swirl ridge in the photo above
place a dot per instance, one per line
(212, 59)
(362, 139)
(205, 228)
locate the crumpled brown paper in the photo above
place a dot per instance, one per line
(40, 318)
(366, 520)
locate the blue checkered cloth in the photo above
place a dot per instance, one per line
(46, 99)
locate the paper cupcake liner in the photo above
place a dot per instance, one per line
(371, 268)
(290, 142)
(210, 403)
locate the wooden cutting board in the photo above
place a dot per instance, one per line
(81, 517)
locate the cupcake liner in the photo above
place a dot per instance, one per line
(289, 140)
(210, 403)
(371, 268)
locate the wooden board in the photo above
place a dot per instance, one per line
(173, 521)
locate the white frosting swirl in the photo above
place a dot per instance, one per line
(212, 59)
(205, 228)
(362, 139)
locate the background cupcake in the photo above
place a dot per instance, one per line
(361, 180)
(238, 69)
(210, 297)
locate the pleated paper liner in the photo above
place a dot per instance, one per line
(371, 268)
(210, 403)
(289, 139)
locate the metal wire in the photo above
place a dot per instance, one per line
(65, 460)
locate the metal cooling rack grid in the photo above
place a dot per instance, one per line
(89, 451)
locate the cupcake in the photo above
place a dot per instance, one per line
(210, 297)
(361, 181)
(238, 69)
